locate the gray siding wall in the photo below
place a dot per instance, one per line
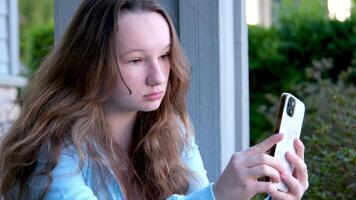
(199, 34)
(64, 11)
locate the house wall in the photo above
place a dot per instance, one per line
(4, 38)
(10, 80)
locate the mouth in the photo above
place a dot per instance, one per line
(154, 96)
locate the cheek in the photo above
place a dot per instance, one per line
(167, 71)
(120, 88)
(124, 88)
(167, 75)
(133, 80)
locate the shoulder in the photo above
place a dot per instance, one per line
(67, 181)
(68, 160)
(192, 159)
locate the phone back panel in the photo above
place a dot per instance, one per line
(290, 126)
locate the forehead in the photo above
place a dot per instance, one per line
(142, 30)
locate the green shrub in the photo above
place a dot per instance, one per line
(315, 39)
(42, 41)
(327, 132)
(265, 66)
(36, 21)
(279, 55)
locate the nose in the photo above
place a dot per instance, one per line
(156, 74)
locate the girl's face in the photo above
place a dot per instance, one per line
(143, 53)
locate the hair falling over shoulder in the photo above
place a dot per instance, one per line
(64, 102)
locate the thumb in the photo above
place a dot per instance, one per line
(266, 144)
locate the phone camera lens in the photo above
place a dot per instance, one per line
(290, 106)
(290, 112)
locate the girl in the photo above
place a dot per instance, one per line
(105, 118)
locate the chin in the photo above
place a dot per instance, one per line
(151, 107)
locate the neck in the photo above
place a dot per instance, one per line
(121, 126)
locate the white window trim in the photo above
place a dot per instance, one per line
(13, 37)
(13, 79)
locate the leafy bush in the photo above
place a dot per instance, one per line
(313, 57)
(36, 22)
(327, 131)
(328, 134)
(269, 72)
(280, 54)
(42, 40)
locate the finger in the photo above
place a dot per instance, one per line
(266, 144)
(299, 147)
(294, 186)
(264, 187)
(278, 195)
(264, 170)
(299, 166)
(263, 159)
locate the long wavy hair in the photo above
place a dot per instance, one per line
(64, 102)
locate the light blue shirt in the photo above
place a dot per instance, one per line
(71, 182)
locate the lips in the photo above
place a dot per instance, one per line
(153, 96)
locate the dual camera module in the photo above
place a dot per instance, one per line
(290, 106)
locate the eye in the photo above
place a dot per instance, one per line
(135, 61)
(165, 56)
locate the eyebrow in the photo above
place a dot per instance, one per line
(134, 50)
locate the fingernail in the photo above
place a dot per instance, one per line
(280, 135)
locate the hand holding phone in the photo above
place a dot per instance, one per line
(289, 123)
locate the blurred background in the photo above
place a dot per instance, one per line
(306, 47)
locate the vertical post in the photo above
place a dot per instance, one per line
(13, 38)
(241, 76)
(227, 81)
(63, 12)
(4, 39)
(199, 34)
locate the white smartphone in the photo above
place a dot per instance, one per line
(289, 122)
